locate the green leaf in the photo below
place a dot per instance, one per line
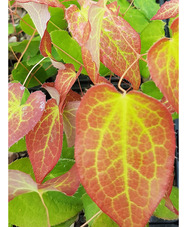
(57, 21)
(68, 3)
(67, 223)
(148, 7)
(152, 33)
(27, 210)
(151, 89)
(22, 71)
(61, 207)
(23, 165)
(136, 19)
(10, 29)
(175, 116)
(25, 27)
(25, 96)
(163, 212)
(64, 41)
(90, 208)
(67, 152)
(19, 146)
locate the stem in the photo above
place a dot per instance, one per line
(48, 220)
(122, 77)
(25, 48)
(128, 8)
(100, 211)
(32, 70)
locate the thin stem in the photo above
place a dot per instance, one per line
(25, 48)
(48, 220)
(100, 211)
(80, 86)
(128, 8)
(122, 77)
(68, 55)
(32, 75)
(32, 70)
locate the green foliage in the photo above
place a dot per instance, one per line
(19, 146)
(27, 25)
(151, 89)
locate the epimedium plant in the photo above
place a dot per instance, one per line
(109, 152)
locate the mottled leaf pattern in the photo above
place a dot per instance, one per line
(53, 3)
(124, 152)
(23, 118)
(163, 65)
(44, 142)
(168, 10)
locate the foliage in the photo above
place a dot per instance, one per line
(107, 151)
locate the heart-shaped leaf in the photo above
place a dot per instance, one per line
(163, 65)
(44, 142)
(124, 152)
(168, 10)
(23, 118)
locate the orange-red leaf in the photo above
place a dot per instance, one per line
(65, 79)
(46, 45)
(44, 142)
(163, 65)
(69, 121)
(124, 152)
(67, 183)
(168, 10)
(23, 118)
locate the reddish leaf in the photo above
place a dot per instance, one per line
(53, 3)
(65, 79)
(163, 65)
(23, 118)
(19, 183)
(46, 45)
(67, 183)
(77, 21)
(58, 65)
(73, 96)
(124, 152)
(170, 206)
(44, 142)
(165, 102)
(69, 121)
(168, 10)
(119, 44)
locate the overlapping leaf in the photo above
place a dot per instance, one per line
(67, 183)
(44, 142)
(23, 118)
(119, 44)
(19, 183)
(124, 152)
(69, 119)
(163, 65)
(168, 10)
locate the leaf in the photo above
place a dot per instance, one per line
(150, 89)
(67, 183)
(168, 10)
(120, 44)
(67, 223)
(23, 165)
(44, 142)
(53, 3)
(124, 152)
(90, 208)
(27, 25)
(91, 49)
(22, 71)
(67, 152)
(27, 208)
(19, 146)
(52, 91)
(163, 65)
(151, 34)
(38, 13)
(69, 119)
(61, 207)
(23, 118)
(46, 45)
(10, 29)
(148, 7)
(64, 80)
(19, 183)
(163, 212)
